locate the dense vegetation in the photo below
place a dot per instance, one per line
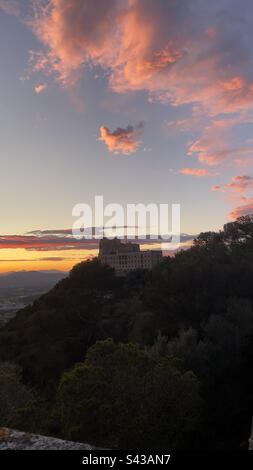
(122, 397)
(177, 370)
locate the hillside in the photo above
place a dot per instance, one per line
(196, 308)
(18, 289)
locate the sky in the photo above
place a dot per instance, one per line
(141, 101)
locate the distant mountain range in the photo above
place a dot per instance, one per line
(30, 279)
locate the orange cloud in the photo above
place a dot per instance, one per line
(216, 145)
(125, 141)
(40, 88)
(234, 84)
(74, 32)
(239, 184)
(162, 47)
(178, 52)
(195, 171)
(244, 209)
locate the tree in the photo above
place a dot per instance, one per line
(239, 231)
(120, 397)
(195, 306)
(13, 394)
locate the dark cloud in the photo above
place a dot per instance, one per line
(54, 240)
(46, 242)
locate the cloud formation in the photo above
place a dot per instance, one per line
(124, 141)
(194, 171)
(187, 52)
(218, 143)
(56, 259)
(239, 184)
(40, 88)
(183, 51)
(244, 209)
(63, 240)
(48, 242)
(240, 192)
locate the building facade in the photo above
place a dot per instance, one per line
(126, 256)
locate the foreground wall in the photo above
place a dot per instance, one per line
(15, 440)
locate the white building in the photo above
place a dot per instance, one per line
(125, 257)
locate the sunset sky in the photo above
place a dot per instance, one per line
(136, 100)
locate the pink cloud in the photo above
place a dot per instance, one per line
(239, 184)
(181, 53)
(236, 189)
(40, 88)
(244, 209)
(178, 52)
(74, 33)
(124, 141)
(190, 124)
(217, 143)
(165, 48)
(195, 171)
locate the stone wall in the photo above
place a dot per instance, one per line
(15, 440)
